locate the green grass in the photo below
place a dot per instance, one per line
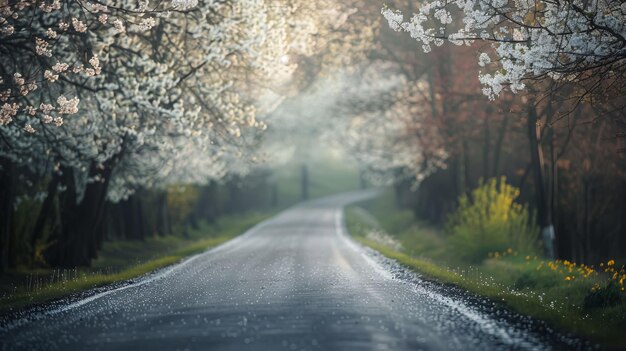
(526, 285)
(121, 261)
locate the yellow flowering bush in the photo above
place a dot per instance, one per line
(489, 220)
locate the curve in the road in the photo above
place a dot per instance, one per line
(295, 282)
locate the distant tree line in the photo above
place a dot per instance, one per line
(63, 233)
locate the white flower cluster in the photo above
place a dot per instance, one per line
(147, 23)
(530, 38)
(7, 112)
(78, 25)
(184, 4)
(40, 40)
(67, 106)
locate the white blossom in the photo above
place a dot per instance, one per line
(46, 108)
(67, 106)
(50, 33)
(63, 26)
(555, 39)
(184, 4)
(78, 25)
(18, 79)
(119, 26)
(60, 67)
(42, 47)
(147, 23)
(7, 112)
(30, 110)
(58, 121)
(50, 76)
(483, 59)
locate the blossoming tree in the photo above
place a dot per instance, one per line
(581, 41)
(99, 99)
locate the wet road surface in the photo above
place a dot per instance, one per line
(295, 282)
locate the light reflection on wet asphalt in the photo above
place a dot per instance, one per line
(295, 282)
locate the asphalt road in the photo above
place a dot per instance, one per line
(295, 282)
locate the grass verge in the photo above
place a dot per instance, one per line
(120, 261)
(527, 285)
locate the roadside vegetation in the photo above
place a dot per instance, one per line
(169, 226)
(488, 247)
(120, 261)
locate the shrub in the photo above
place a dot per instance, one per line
(537, 279)
(180, 201)
(490, 220)
(606, 296)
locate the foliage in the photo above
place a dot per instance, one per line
(101, 100)
(490, 220)
(387, 131)
(566, 41)
(181, 199)
(554, 291)
(607, 296)
(123, 260)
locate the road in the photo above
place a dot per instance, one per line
(295, 282)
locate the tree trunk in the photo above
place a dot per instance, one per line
(274, 195)
(92, 210)
(464, 177)
(586, 242)
(77, 238)
(138, 217)
(304, 183)
(208, 202)
(7, 199)
(46, 211)
(543, 215)
(486, 147)
(56, 255)
(498, 147)
(431, 90)
(162, 223)
(362, 180)
(133, 216)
